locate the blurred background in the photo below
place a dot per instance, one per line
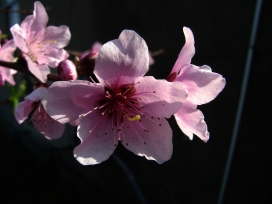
(36, 170)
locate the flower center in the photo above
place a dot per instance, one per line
(120, 103)
(40, 115)
(32, 57)
(40, 47)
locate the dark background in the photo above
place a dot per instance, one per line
(35, 170)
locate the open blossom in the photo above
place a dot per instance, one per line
(124, 106)
(6, 54)
(41, 120)
(41, 46)
(46, 125)
(202, 84)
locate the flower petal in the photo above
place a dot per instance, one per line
(96, 47)
(59, 36)
(6, 54)
(96, 146)
(39, 71)
(41, 17)
(49, 127)
(149, 138)
(160, 97)
(121, 61)
(19, 38)
(202, 84)
(37, 94)
(26, 26)
(9, 78)
(6, 75)
(7, 51)
(187, 52)
(51, 57)
(22, 110)
(66, 100)
(2, 79)
(191, 121)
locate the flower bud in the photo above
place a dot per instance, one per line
(171, 77)
(86, 64)
(67, 70)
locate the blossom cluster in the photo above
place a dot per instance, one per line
(120, 103)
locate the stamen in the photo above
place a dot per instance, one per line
(92, 79)
(44, 42)
(83, 115)
(137, 117)
(108, 83)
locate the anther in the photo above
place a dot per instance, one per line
(137, 117)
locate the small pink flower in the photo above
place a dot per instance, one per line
(41, 46)
(125, 106)
(202, 84)
(87, 59)
(46, 125)
(67, 70)
(6, 54)
(93, 51)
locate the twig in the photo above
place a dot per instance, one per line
(23, 68)
(75, 53)
(156, 53)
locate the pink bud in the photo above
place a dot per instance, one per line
(67, 70)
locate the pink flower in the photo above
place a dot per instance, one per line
(41, 46)
(6, 54)
(86, 62)
(202, 84)
(67, 70)
(124, 106)
(41, 120)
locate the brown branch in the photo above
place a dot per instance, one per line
(54, 77)
(16, 66)
(156, 53)
(75, 53)
(23, 68)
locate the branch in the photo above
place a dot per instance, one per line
(16, 66)
(23, 68)
(75, 53)
(156, 53)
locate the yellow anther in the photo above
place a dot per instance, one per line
(45, 42)
(137, 117)
(48, 41)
